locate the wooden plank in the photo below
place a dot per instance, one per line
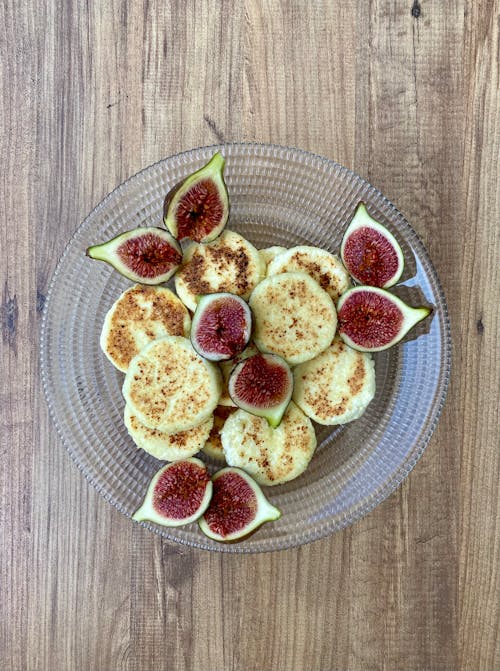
(407, 95)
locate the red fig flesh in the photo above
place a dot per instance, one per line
(372, 319)
(221, 326)
(145, 255)
(179, 493)
(262, 385)
(198, 207)
(237, 508)
(370, 253)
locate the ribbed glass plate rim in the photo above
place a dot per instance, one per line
(376, 497)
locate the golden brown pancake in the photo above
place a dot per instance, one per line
(170, 387)
(270, 456)
(140, 315)
(336, 386)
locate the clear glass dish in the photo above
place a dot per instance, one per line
(279, 196)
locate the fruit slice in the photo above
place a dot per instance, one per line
(141, 314)
(370, 252)
(293, 317)
(198, 207)
(167, 446)
(336, 386)
(262, 385)
(226, 369)
(270, 456)
(229, 264)
(178, 494)
(170, 387)
(221, 326)
(372, 319)
(238, 507)
(319, 264)
(213, 446)
(145, 255)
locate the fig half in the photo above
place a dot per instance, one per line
(237, 508)
(221, 326)
(262, 385)
(372, 319)
(370, 253)
(144, 255)
(178, 494)
(198, 207)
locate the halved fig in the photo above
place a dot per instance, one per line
(198, 207)
(238, 507)
(370, 253)
(178, 494)
(262, 385)
(221, 326)
(144, 255)
(372, 319)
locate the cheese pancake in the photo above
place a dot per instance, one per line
(270, 456)
(327, 269)
(140, 315)
(213, 445)
(170, 387)
(269, 253)
(293, 317)
(167, 446)
(228, 264)
(335, 387)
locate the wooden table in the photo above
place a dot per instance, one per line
(408, 96)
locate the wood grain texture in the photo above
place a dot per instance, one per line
(408, 95)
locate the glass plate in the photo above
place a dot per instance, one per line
(279, 196)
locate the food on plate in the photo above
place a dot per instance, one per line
(167, 446)
(370, 252)
(237, 508)
(145, 255)
(213, 446)
(262, 385)
(141, 314)
(198, 207)
(269, 253)
(336, 386)
(270, 455)
(229, 264)
(221, 327)
(372, 319)
(322, 266)
(200, 384)
(293, 317)
(178, 494)
(170, 387)
(226, 368)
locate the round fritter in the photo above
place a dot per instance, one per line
(141, 314)
(335, 387)
(167, 446)
(269, 253)
(327, 269)
(170, 387)
(293, 317)
(213, 445)
(270, 456)
(228, 264)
